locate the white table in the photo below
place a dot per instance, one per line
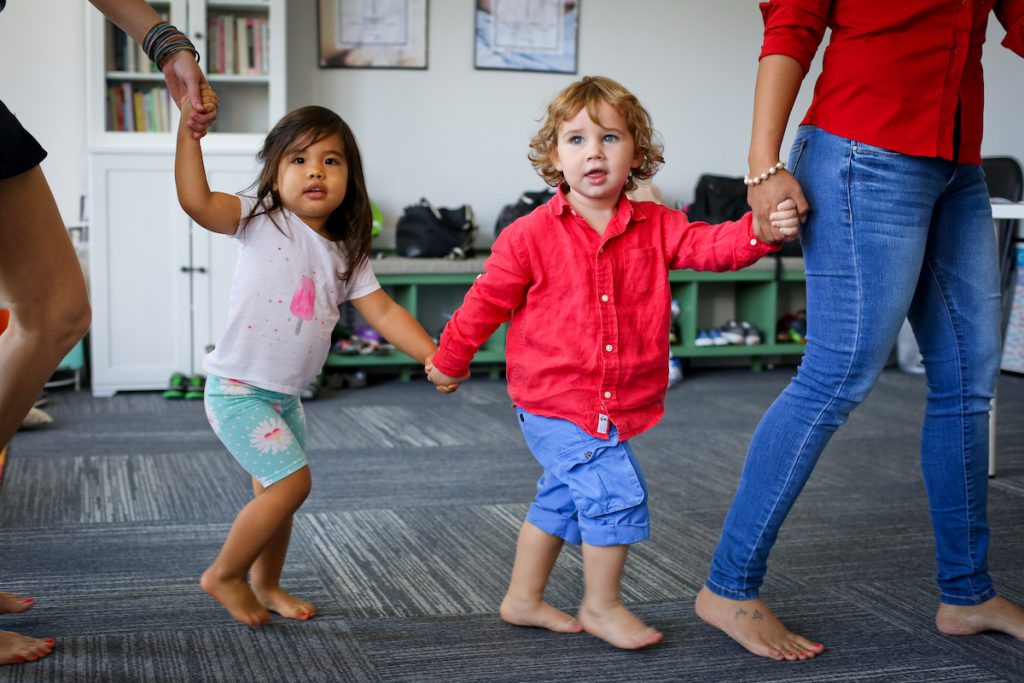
(1011, 211)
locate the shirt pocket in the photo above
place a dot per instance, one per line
(600, 476)
(644, 271)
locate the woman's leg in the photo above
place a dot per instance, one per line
(956, 318)
(42, 285)
(863, 249)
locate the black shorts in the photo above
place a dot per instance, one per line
(19, 151)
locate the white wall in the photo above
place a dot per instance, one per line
(454, 134)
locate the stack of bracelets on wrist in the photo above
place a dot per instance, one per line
(163, 40)
(758, 179)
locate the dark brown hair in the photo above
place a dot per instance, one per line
(590, 92)
(351, 223)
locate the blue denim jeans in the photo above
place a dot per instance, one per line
(889, 236)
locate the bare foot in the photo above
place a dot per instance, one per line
(539, 614)
(12, 603)
(751, 624)
(278, 600)
(237, 597)
(617, 626)
(18, 649)
(996, 614)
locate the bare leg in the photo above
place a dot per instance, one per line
(751, 624)
(602, 613)
(18, 649)
(523, 605)
(42, 285)
(996, 614)
(258, 522)
(266, 573)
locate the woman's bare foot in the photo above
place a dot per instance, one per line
(617, 626)
(278, 600)
(10, 603)
(996, 614)
(18, 649)
(237, 597)
(751, 624)
(537, 613)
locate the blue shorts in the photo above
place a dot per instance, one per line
(264, 430)
(591, 490)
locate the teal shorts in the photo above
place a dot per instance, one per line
(264, 430)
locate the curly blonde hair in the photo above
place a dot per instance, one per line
(590, 92)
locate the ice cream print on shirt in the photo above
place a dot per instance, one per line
(302, 301)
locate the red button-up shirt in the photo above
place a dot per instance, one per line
(588, 337)
(895, 70)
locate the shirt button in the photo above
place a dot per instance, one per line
(753, 242)
(607, 394)
(956, 51)
(604, 297)
(608, 347)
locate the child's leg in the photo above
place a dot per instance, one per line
(252, 424)
(524, 605)
(602, 613)
(256, 525)
(266, 573)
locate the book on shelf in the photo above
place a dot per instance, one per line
(138, 110)
(238, 45)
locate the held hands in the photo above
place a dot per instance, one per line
(442, 382)
(783, 193)
(194, 120)
(186, 82)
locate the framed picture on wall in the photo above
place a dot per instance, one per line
(382, 34)
(527, 35)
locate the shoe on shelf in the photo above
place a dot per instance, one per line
(703, 339)
(732, 332)
(196, 388)
(751, 335)
(716, 337)
(176, 386)
(35, 418)
(310, 392)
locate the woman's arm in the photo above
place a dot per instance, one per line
(215, 211)
(778, 82)
(395, 324)
(181, 72)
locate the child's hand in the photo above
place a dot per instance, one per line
(786, 220)
(195, 121)
(444, 383)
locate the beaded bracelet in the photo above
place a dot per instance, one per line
(758, 179)
(163, 40)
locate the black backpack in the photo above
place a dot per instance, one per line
(424, 231)
(527, 202)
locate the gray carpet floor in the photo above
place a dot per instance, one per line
(109, 516)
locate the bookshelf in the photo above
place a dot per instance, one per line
(159, 284)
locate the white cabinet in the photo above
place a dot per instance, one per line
(159, 284)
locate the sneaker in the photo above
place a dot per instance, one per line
(751, 335)
(716, 337)
(732, 332)
(310, 392)
(176, 386)
(703, 339)
(35, 418)
(196, 388)
(675, 371)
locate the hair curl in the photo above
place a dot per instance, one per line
(351, 224)
(590, 92)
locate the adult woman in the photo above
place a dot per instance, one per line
(46, 321)
(889, 158)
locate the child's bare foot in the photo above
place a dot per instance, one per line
(751, 624)
(996, 614)
(12, 603)
(237, 597)
(18, 649)
(278, 600)
(617, 626)
(539, 614)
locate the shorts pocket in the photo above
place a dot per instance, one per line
(601, 478)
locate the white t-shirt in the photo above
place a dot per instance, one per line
(284, 303)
